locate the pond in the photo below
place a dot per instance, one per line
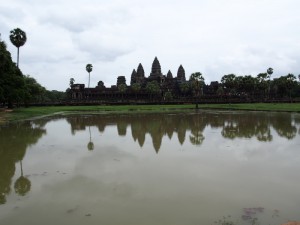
(171, 168)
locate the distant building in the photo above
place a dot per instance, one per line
(166, 83)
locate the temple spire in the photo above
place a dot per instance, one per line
(133, 77)
(181, 74)
(169, 75)
(140, 71)
(156, 68)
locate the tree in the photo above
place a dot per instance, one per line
(262, 83)
(229, 83)
(136, 87)
(122, 89)
(89, 68)
(33, 91)
(285, 85)
(11, 79)
(168, 96)
(246, 85)
(18, 38)
(197, 81)
(269, 72)
(153, 88)
(184, 88)
(291, 81)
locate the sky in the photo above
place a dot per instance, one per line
(214, 37)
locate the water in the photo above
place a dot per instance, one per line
(151, 168)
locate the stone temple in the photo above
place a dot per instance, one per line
(165, 83)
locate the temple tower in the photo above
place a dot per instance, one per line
(169, 75)
(156, 69)
(133, 77)
(181, 74)
(140, 74)
(121, 80)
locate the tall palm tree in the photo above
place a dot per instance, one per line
(89, 68)
(197, 81)
(269, 72)
(18, 38)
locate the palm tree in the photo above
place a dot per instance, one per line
(89, 68)
(18, 38)
(153, 88)
(269, 72)
(122, 89)
(197, 84)
(136, 87)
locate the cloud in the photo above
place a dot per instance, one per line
(215, 37)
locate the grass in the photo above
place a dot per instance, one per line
(31, 112)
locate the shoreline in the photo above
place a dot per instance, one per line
(18, 114)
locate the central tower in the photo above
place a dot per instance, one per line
(156, 69)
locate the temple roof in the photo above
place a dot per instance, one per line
(133, 77)
(140, 71)
(169, 75)
(181, 73)
(156, 68)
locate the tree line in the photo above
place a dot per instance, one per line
(15, 87)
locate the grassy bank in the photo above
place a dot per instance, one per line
(26, 113)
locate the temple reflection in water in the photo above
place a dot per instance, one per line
(157, 125)
(75, 166)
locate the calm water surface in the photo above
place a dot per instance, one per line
(151, 169)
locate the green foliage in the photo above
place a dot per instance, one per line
(153, 88)
(168, 96)
(15, 88)
(136, 87)
(229, 83)
(185, 87)
(89, 68)
(54, 96)
(197, 82)
(18, 38)
(122, 88)
(25, 113)
(11, 78)
(284, 85)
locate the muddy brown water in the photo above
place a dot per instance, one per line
(189, 168)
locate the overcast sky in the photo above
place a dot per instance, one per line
(214, 37)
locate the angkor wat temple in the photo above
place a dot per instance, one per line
(155, 87)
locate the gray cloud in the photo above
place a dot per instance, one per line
(215, 37)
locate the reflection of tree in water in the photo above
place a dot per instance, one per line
(14, 140)
(263, 130)
(197, 126)
(283, 126)
(297, 121)
(22, 184)
(157, 125)
(90, 145)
